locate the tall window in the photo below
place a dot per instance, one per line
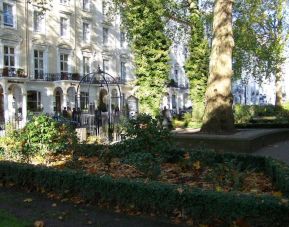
(34, 101)
(38, 64)
(86, 5)
(9, 57)
(105, 65)
(38, 22)
(105, 36)
(64, 63)
(122, 70)
(122, 39)
(84, 100)
(64, 2)
(176, 74)
(8, 15)
(86, 32)
(63, 27)
(86, 65)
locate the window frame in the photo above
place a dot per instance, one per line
(36, 103)
(38, 75)
(105, 36)
(38, 17)
(64, 27)
(13, 15)
(86, 33)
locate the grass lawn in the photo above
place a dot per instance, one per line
(7, 219)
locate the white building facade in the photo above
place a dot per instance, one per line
(43, 58)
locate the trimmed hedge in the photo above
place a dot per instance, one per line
(164, 199)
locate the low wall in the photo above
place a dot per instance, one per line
(244, 141)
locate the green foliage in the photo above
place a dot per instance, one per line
(262, 114)
(6, 219)
(147, 144)
(145, 27)
(200, 205)
(197, 65)
(40, 137)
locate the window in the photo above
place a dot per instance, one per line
(84, 100)
(105, 65)
(9, 57)
(122, 71)
(86, 5)
(122, 39)
(63, 27)
(86, 65)
(176, 74)
(174, 101)
(105, 36)
(86, 32)
(64, 2)
(38, 22)
(38, 64)
(8, 15)
(63, 63)
(34, 101)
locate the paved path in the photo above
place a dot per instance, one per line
(32, 206)
(278, 151)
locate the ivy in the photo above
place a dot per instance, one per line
(146, 30)
(196, 66)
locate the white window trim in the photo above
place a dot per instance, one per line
(89, 29)
(64, 51)
(16, 49)
(86, 55)
(45, 58)
(89, 6)
(13, 4)
(43, 27)
(106, 44)
(67, 36)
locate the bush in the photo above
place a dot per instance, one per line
(244, 114)
(40, 137)
(203, 206)
(146, 142)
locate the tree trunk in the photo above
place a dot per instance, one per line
(218, 117)
(278, 87)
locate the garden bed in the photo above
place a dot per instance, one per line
(182, 189)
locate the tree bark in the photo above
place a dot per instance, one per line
(218, 117)
(278, 87)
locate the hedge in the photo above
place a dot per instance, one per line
(164, 199)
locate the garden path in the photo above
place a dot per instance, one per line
(278, 151)
(33, 207)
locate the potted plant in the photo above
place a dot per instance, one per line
(20, 72)
(75, 76)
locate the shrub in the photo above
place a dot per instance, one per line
(40, 137)
(244, 114)
(147, 144)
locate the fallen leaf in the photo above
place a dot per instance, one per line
(54, 205)
(39, 223)
(277, 194)
(180, 190)
(197, 165)
(27, 200)
(89, 222)
(241, 223)
(60, 217)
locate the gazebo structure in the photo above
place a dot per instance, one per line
(102, 113)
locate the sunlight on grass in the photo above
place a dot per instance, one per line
(6, 219)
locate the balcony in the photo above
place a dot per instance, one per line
(76, 77)
(11, 72)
